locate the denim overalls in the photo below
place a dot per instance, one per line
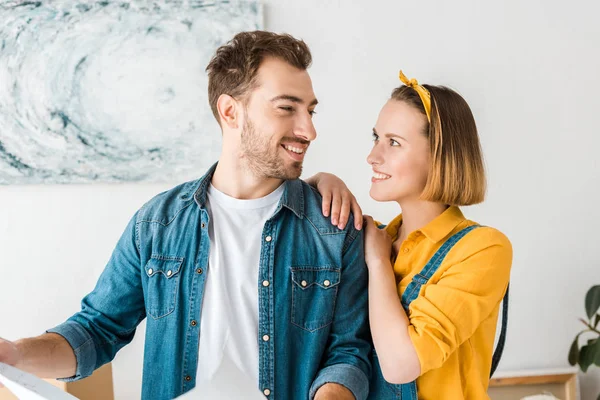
(380, 389)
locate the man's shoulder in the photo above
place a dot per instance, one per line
(313, 211)
(165, 206)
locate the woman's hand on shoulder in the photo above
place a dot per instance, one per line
(338, 200)
(378, 244)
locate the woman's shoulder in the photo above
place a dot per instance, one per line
(485, 250)
(486, 237)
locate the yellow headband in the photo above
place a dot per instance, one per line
(421, 91)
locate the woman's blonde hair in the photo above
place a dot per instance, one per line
(456, 172)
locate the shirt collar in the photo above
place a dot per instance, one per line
(443, 224)
(437, 229)
(292, 198)
(204, 183)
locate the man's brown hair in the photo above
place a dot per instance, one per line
(233, 68)
(456, 172)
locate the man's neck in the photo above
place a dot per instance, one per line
(234, 179)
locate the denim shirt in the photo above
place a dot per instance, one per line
(312, 297)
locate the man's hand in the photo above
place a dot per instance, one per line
(334, 391)
(9, 354)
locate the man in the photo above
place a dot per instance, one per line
(239, 266)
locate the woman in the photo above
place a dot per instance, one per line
(436, 279)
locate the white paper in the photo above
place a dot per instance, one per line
(228, 383)
(28, 387)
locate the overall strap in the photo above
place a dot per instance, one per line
(414, 287)
(502, 339)
(421, 278)
(409, 390)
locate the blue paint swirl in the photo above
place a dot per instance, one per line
(110, 91)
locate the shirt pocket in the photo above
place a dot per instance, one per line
(314, 291)
(163, 283)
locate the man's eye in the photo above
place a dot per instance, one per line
(286, 108)
(312, 113)
(375, 137)
(394, 143)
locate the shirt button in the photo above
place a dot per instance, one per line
(267, 392)
(199, 271)
(194, 323)
(265, 283)
(150, 271)
(304, 283)
(169, 273)
(266, 338)
(406, 250)
(326, 283)
(268, 238)
(203, 225)
(188, 378)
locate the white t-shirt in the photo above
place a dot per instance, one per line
(229, 322)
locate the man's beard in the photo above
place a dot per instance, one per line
(263, 157)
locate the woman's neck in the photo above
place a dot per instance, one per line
(416, 215)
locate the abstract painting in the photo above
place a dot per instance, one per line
(111, 91)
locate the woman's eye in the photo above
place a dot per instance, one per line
(284, 108)
(375, 137)
(394, 143)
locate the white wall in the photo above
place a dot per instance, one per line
(529, 71)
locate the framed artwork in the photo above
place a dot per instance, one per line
(111, 91)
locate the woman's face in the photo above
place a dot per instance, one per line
(400, 156)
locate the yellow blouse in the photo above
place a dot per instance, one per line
(453, 320)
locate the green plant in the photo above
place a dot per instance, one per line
(589, 353)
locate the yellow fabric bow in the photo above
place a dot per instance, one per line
(421, 91)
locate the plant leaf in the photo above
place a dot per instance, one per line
(592, 301)
(597, 320)
(597, 353)
(586, 357)
(574, 351)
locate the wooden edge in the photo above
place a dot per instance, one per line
(531, 380)
(571, 389)
(97, 386)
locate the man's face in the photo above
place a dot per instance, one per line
(278, 126)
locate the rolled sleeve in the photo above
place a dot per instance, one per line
(83, 347)
(347, 375)
(111, 312)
